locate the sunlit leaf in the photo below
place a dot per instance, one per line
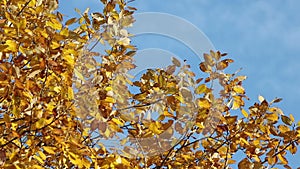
(261, 98)
(55, 24)
(50, 150)
(201, 89)
(245, 113)
(204, 103)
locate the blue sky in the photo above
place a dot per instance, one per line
(261, 36)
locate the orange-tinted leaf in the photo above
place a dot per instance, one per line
(71, 21)
(245, 163)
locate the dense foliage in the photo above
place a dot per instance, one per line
(59, 99)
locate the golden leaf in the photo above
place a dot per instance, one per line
(239, 89)
(244, 141)
(55, 24)
(201, 89)
(70, 93)
(204, 103)
(50, 150)
(282, 159)
(79, 75)
(272, 117)
(154, 127)
(39, 159)
(245, 113)
(64, 32)
(71, 21)
(42, 155)
(11, 46)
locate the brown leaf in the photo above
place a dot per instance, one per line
(94, 125)
(286, 120)
(245, 163)
(2, 157)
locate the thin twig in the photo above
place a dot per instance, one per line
(19, 13)
(282, 150)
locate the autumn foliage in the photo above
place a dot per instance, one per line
(59, 99)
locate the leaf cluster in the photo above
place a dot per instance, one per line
(59, 99)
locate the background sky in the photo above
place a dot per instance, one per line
(261, 36)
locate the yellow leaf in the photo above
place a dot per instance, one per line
(69, 58)
(57, 89)
(168, 114)
(272, 117)
(12, 46)
(50, 150)
(23, 23)
(37, 167)
(38, 159)
(43, 33)
(154, 127)
(282, 159)
(70, 93)
(140, 96)
(245, 113)
(201, 89)
(276, 110)
(125, 162)
(292, 118)
(239, 89)
(283, 128)
(42, 155)
(244, 141)
(117, 121)
(79, 75)
(110, 100)
(86, 163)
(54, 45)
(256, 142)
(64, 32)
(53, 23)
(40, 123)
(108, 88)
(204, 103)
(75, 160)
(237, 102)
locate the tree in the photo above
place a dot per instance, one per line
(59, 99)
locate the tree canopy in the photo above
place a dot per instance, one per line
(62, 103)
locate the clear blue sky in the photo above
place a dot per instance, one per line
(261, 36)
